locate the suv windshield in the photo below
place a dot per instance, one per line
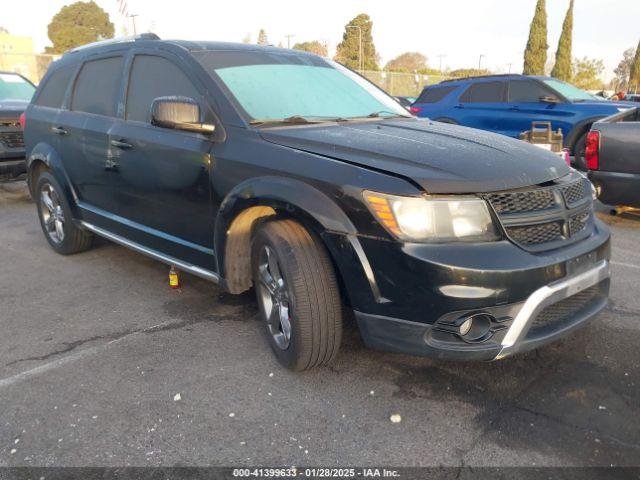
(14, 87)
(280, 86)
(573, 94)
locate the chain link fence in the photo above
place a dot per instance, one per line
(402, 84)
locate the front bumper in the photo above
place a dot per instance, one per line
(521, 332)
(404, 296)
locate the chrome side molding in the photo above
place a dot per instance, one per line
(184, 266)
(548, 295)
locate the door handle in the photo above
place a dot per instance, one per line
(514, 109)
(458, 106)
(121, 144)
(59, 130)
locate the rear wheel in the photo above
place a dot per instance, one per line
(56, 219)
(579, 148)
(297, 294)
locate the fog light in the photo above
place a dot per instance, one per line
(465, 327)
(476, 328)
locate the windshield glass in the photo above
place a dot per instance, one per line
(570, 92)
(276, 86)
(14, 87)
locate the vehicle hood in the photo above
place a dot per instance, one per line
(440, 158)
(12, 108)
(607, 105)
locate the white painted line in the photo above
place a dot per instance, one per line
(27, 374)
(629, 265)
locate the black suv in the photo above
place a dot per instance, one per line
(276, 169)
(15, 93)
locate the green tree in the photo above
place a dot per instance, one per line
(586, 73)
(623, 69)
(77, 24)
(634, 73)
(407, 62)
(317, 47)
(262, 37)
(348, 51)
(562, 67)
(469, 72)
(535, 55)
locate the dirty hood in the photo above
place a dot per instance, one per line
(441, 158)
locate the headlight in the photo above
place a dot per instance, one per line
(436, 219)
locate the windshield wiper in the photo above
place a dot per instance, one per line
(379, 114)
(294, 119)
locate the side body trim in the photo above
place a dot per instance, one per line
(187, 267)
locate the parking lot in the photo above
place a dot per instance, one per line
(103, 364)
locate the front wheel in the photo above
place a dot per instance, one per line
(297, 294)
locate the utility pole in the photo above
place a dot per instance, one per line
(480, 61)
(289, 39)
(440, 57)
(133, 19)
(509, 67)
(360, 48)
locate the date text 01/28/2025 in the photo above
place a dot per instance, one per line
(315, 472)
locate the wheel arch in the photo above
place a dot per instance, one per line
(253, 201)
(578, 130)
(44, 156)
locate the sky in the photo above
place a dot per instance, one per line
(460, 29)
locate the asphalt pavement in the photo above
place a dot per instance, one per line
(102, 364)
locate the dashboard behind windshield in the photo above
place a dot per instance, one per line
(273, 86)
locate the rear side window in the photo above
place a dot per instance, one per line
(52, 92)
(153, 77)
(97, 87)
(434, 94)
(484, 92)
(526, 91)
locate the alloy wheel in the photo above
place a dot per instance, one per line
(52, 213)
(274, 297)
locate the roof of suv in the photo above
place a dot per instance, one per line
(501, 76)
(190, 45)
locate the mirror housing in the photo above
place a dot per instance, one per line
(549, 99)
(178, 113)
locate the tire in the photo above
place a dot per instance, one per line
(56, 219)
(296, 288)
(579, 161)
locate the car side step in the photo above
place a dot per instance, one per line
(171, 261)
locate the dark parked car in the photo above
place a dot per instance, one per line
(613, 158)
(406, 102)
(507, 104)
(260, 167)
(15, 93)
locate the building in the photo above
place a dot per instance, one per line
(17, 55)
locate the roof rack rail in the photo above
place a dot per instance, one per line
(112, 41)
(473, 77)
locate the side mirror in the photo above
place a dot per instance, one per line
(549, 99)
(178, 113)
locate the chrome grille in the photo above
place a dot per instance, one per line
(518, 202)
(546, 217)
(536, 234)
(578, 222)
(574, 192)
